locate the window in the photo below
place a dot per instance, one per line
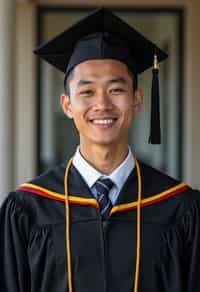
(58, 138)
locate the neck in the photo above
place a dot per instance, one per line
(103, 158)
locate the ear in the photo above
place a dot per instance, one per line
(138, 100)
(66, 105)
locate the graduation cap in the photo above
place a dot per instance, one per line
(103, 35)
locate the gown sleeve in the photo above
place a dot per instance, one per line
(192, 246)
(14, 228)
(180, 257)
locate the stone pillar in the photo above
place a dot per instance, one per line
(7, 112)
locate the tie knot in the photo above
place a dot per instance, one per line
(103, 186)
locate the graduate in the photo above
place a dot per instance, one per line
(102, 221)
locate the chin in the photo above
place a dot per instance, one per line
(106, 142)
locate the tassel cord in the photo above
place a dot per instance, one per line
(67, 216)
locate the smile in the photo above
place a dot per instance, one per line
(103, 121)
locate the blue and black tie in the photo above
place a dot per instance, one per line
(103, 187)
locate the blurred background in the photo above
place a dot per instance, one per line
(34, 133)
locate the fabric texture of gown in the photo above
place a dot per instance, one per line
(33, 246)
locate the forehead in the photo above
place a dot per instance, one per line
(100, 69)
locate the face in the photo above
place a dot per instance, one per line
(101, 102)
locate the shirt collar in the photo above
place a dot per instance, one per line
(91, 175)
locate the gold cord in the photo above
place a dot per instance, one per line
(69, 267)
(137, 265)
(67, 220)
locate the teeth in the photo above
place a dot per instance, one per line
(103, 122)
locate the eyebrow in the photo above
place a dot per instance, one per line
(84, 82)
(118, 80)
(111, 81)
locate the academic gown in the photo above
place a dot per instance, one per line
(33, 243)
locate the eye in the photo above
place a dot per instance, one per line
(117, 90)
(87, 92)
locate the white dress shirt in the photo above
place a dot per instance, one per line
(91, 175)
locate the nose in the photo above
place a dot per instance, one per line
(103, 100)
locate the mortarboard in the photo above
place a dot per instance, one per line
(103, 35)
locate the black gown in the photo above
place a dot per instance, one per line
(33, 245)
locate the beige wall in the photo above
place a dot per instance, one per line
(25, 125)
(25, 84)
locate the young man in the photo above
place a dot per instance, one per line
(102, 221)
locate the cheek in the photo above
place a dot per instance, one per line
(125, 105)
(127, 110)
(78, 121)
(129, 115)
(78, 108)
(79, 113)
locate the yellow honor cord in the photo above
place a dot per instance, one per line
(67, 219)
(68, 254)
(137, 265)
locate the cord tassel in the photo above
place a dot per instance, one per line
(155, 131)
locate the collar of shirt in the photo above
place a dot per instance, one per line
(91, 175)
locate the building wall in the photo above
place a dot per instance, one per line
(25, 84)
(25, 126)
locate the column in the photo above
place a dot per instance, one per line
(7, 113)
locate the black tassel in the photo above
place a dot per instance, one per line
(155, 131)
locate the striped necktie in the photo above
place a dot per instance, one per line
(103, 187)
